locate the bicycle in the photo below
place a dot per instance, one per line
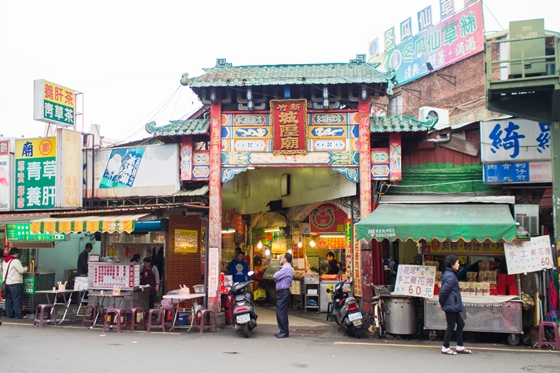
(377, 304)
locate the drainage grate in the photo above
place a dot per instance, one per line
(231, 352)
(542, 368)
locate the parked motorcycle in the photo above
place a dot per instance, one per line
(346, 312)
(244, 311)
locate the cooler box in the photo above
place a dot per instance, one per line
(183, 318)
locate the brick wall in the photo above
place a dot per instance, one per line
(183, 268)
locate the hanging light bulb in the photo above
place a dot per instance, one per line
(289, 251)
(259, 245)
(312, 243)
(299, 245)
(267, 251)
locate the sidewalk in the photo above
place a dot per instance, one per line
(316, 325)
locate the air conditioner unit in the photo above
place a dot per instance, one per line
(528, 217)
(441, 116)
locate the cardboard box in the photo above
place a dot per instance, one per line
(312, 291)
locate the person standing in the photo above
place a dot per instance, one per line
(12, 272)
(83, 259)
(238, 268)
(451, 303)
(333, 264)
(147, 277)
(283, 278)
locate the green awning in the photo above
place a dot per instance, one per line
(438, 222)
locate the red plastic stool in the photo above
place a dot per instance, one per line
(132, 322)
(118, 317)
(90, 314)
(159, 314)
(543, 341)
(201, 318)
(45, 313)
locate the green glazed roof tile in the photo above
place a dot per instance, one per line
(358, 71)
(180, 127)
(400, 123)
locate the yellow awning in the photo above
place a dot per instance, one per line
(85, 224)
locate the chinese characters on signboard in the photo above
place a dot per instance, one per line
(529, 256)
(519, 172)
(5, 174)
(22, 232)
(415, 281)
(447, 8)
(289, 123)
(514, 140)
(464, 248)
(35, 171)
(54, 103)
(106, 276)
(458, 37)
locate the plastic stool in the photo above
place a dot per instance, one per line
(159, 313)
(330, 314)
(119, 320)
(542, 341)
(90, 314)
(201, 317)
(133, 323)
(45, 313)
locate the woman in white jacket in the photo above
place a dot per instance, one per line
(12, 273)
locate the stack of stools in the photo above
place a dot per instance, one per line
(118, 318)
(159, 315)
(227, 308)
(90, 314)
(45, 313)
(133, 320)
(201, 316)
(542, 339)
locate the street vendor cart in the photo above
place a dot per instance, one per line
(495, 314)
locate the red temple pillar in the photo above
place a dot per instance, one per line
(215, 212)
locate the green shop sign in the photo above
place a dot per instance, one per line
(22, 232)
(29, 285)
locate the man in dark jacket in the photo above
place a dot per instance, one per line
(83, 260)
(451, 303)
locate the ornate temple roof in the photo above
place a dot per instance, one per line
(400, 123)
(358, 71)
(180, 127)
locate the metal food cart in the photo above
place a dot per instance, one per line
(490, 314)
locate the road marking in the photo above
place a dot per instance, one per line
(439, 347)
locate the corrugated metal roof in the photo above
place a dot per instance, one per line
(400, 123)
(202, 191)
(180, 127)
(358, 71)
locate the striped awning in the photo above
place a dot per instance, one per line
(92, 223)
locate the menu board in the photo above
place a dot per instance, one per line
(529, 256)
(415, 281)
(108, 275)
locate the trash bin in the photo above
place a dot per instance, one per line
(400, 314)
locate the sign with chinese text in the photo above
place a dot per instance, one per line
(327, 218)
(213, 271)
(518, 172)
(425, 19)
(29, 285)
(107, 275)
(406, 29)
(53, 103)
(373, 48)
(444, 44)
(464, 248)
(514, 140)
(186, 241)
(529, 256)
(447, 8)
(35, 171)
(357, 264)
(6, 171)
(289, 126)
(390, 38)
(415, 281)
(329, 243)
(21, 232)
(70, 185)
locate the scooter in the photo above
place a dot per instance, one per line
(346, 312)
(244, 311)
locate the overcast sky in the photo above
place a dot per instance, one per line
(127, 57)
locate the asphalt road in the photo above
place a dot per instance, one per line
(24, 348)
